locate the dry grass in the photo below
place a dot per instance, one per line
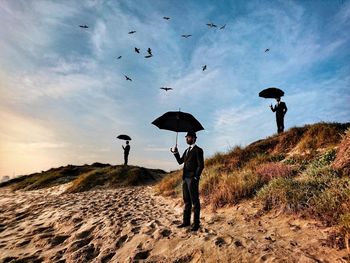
(228, 189)
(169, 184)
(321, 135)
(87, 177)
(115, 176)
(269, 164)
(269, 171)
(342, 160)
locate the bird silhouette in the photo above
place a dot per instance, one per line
(137, 50)
(223, 26)
(149, 51)
(204, 67)
(267, 50)
(132, 32)
(127, 78)
(119, 57)
(186, 36)
(166, 18)
(148, 56)
(211, 25)
(83, 26)
(166, 89)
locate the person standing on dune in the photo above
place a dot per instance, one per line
(126, 152)
(281, 109)
(193, 161)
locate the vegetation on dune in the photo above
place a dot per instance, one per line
(52, 177)
(342, 160)
(115, 176)
(303, 171)
(87, 177)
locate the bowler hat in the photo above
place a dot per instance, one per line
(192, 134)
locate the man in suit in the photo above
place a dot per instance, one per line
(193, 161)
(126, 152)
(281, 109)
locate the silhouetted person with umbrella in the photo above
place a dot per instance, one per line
(281, 109)
(126, 152)
(193, 161)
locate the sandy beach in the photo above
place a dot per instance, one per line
(135, 225)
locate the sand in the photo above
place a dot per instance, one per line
(135, 225)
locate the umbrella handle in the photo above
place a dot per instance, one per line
(176, 139)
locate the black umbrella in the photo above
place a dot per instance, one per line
(178, 121)
(271, 93)
(124, 137)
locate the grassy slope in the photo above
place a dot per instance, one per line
(303, 170)
(87, 177)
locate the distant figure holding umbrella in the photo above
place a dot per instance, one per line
(193, 161)
(126, 152)
(281, 109)
(127, 146)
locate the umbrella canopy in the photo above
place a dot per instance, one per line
(178, 121)
(271, 93)
(124, 137)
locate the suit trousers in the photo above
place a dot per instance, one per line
(280, 123)
(191, 198)
(126, 159)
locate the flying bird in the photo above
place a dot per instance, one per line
(204, 67)
(267, 50)
(166, 18)
(186, 36)
(166, 89)
(149, 56)
(83, 26)
(149, 51)
(119, 57)
(132, 32)
(211, 25)
(127, 78)
(137, 50)
(223, 26)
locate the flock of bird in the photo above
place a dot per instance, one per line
(149, 50)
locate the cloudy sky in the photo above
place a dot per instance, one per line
(64, 97)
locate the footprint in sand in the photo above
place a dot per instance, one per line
(107, 257)
(84, 233)
(58, 255)
(76, 245)
(136, 230)
(23, 243)
(57, 240)
(86, 253)
(121, 241)
(141, 255)
(223, 241)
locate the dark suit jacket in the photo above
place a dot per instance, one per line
(280, 109)
(193, 162)
(126, 149)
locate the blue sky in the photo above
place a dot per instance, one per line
(64, 98)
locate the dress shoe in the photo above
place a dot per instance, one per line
(183, 225)
(195, 228)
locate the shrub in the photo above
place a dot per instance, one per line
(321, 135)
(284, 193)
(321, 165)
(229, 189)
(168, 186)
(269, 171)
(342, 160)
(328, 205)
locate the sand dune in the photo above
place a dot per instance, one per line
(135, 225)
